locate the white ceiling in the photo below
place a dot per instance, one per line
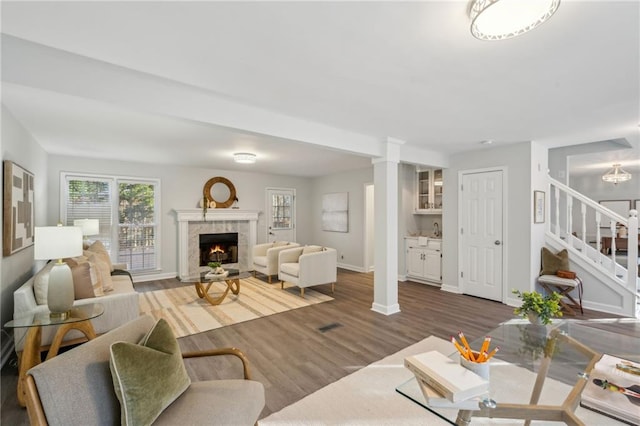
(406, 70)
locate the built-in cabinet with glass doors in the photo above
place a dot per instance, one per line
(429, 187)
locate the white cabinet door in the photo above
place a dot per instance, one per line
(432, 265)
(415, 262)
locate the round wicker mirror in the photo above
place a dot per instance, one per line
(220, 190)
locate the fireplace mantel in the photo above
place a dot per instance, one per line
(213, 216)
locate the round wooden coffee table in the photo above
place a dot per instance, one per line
(231, 279)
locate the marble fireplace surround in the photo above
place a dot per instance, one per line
(191, 225)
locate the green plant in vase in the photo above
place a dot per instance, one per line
(535, 304)
(216, 267)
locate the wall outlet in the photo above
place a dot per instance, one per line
(342, 256)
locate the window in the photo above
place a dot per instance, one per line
(127, 211)
(281, 211)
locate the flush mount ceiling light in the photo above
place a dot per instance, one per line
(502, 19)
(244, 158)
(616, 175)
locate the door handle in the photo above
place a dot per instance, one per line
(497, 242)
(271, 233)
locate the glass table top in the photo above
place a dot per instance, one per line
(514, 368)
(206, 276)
(76, 314)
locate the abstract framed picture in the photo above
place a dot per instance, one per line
(335, 212)
(538, 206)
(18, 208)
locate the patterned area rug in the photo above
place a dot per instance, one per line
(188, 314)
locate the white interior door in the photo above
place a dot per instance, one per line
(480, 237)
(281, 214)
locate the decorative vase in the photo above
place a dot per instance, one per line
(534, 318)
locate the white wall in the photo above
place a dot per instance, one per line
(348, 244)
(182, 189)
(539, 167)
(518, 196)
(19, 146)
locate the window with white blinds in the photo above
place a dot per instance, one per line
(127, 211)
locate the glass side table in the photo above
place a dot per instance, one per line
(79, 318)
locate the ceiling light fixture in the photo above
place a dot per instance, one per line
(503, 19)
(616, 175)
(244, 158)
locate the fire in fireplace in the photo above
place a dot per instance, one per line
(222, 247)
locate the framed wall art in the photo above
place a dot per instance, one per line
(18, 213)
(538, 206)
(335, 212)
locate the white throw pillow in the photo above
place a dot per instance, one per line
(41, 283)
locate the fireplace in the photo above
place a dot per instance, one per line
(220, 247)
(191, 225)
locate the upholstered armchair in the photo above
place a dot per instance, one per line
(308, 266)
(79, 386)
(265, 257)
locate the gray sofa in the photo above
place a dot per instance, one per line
(76, 388)
(120, 307)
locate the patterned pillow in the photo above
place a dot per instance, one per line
(149, 376)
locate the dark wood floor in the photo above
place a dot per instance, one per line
(293, 354)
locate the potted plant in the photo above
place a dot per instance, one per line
(537, 307)
(216, 267)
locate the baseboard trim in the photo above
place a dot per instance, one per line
(351, 267)
(153, 277)
(385, 309)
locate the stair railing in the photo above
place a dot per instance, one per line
(579, 222)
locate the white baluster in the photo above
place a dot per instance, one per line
(598, 237)
(583, 214)
(570, 219)
(632, 251)
(612, 227)
(557, 198)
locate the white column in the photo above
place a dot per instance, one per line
(385, 281)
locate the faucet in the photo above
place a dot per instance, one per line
(436, 229)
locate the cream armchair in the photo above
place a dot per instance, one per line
(265, 257)
(308, 266)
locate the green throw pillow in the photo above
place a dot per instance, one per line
(149, 376)
(551, 262)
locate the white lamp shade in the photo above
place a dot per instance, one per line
(88, 226)
(57, 242)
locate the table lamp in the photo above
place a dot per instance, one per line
(89, 227)
(58, 242)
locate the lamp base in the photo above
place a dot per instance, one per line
(59, 315)
(60, 294)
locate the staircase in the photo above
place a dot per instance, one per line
(578, 224)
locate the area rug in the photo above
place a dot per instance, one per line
(368, 397)
(188, 314)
